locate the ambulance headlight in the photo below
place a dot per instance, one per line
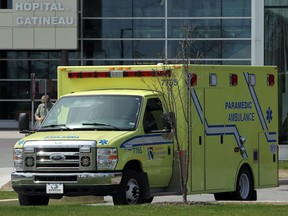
(18, 159)
(107, 158)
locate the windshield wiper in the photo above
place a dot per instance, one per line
(56, 126)
(101, 124)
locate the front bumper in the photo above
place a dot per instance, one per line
(75, 184)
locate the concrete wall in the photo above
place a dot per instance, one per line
(38, 24)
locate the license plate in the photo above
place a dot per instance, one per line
(54, 188)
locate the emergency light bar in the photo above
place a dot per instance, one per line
(118, 73)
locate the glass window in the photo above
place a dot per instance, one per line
(111, 28)
(239, 8)
(122, 49)
(123, 8)
(198, 49)
(195, 8)
(14, 89)
(236, 28)
(212, 49)
(21, 89)
(103, 112)
(22, 69)
(220, 62)
(209, 8)
(210, 28)
(149, 8)
(5, 4)
(152, 119)
(33, 55)
(121, 62)
(275, 3)
(149, 28)
(11, 109)
(236, 49)
(275, 50)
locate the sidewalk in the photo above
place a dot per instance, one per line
(11, 134)
(5, 176)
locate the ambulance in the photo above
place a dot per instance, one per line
(139, 131)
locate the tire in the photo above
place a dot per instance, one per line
(147, 201)
(131, 189)
(244, 187)
(29, 200)
(223, 196)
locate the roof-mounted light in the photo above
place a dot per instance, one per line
(270, 80)
(252, 79)
(193, 79)
(233, 80)
(212, 79)
(118, 73)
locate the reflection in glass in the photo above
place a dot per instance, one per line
(101, 112)
(209, 8)
(123, 49)
(275, 50)
(9, 110)
(124, 8)
(210, 28)
(213, 49)
(123, 28)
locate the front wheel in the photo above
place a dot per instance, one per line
(29, 200)
(131, 189)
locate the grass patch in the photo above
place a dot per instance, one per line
(8, 195)
(205, 209)
(283, 164)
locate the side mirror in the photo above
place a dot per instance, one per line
(169, 121)
(23, 123)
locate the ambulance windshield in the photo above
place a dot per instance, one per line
(97, 112)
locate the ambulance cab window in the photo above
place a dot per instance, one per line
(153, 115)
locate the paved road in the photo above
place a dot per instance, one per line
(9, 138)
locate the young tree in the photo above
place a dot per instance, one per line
(169, 85)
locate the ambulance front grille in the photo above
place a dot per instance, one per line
(57, 159)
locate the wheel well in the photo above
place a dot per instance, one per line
(133, 165)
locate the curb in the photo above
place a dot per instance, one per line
(283, 181)
(9, 202)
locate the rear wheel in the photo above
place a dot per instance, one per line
(148, 201)
(244, 186)
(131, 189)
(223, 196)
(27, 200)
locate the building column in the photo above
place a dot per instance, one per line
(64, 58)
(257, 32)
